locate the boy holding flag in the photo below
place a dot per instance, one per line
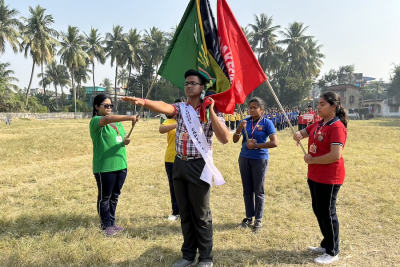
(192, 173)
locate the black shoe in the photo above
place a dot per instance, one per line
(257, 226)
(245, 223)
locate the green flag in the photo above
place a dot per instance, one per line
(188, 51)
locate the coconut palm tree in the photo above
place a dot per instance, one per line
(310, 65)
(114, 46)
(107, 83)
(131, 45)
(58, 76)
(95, 49)
(156, 44)
(263, 33)
(72, 54)
(39, 39)
(122, 77)
(6, 83)
(9, 25)
(296, 41)
(82, 76)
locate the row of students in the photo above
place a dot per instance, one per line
(232, 120)
(326, 166)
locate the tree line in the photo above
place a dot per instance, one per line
(289, 56)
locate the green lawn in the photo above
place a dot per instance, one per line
(48, 201)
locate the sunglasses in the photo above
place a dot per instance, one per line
(107, 106)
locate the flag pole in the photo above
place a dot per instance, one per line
(245, 130)
(141, 109)
(284, 113)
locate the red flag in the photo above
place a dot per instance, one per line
(245, 73)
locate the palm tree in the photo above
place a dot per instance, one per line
(72, 54)
(38, 39)
(63, 80)
(131, 45)
(264, 37)
(6, 85)
(82, 76)
(296, 43)
(95, 49)
(122, 77)
(107, 83)
(9, 28)
(114, 45)
(156, 44)
(310, 64)
(58, 76)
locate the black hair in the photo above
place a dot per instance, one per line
(97, 102)
(309, 106)
(196, 73)
(259, 101)
(178, 100)
(334, 99)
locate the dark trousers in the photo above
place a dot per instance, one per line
(233, 125)
(253, 172)
(193, 196)
(168, 168)
(302, 126)
(324, 198)
(109, 185)
(227, 123)
(278, 126)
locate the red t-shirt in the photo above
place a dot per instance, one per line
(323, 136)
(313, 120)
(301, 121)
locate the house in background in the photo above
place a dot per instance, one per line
(349, 95)
(383, 107)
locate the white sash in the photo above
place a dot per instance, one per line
(195, 131)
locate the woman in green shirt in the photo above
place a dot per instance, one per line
(109, 159)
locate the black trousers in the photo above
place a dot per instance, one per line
(168, 168)
(233, 125)
(324, 198)
(193, 196)
(109, 185)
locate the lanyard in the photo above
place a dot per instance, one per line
(114, 127)
(320, 126)
(253, 128)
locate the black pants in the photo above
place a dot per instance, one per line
(168, 168)
(324, 198)
(233, 125)
(253, 172)
(193, 196)
(227, 123)
(109, 185)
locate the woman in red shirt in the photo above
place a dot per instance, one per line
(326, 171)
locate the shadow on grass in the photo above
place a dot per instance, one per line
(51, 224)
(388, 123)
(158, 257)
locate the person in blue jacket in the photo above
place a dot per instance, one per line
(254, 160)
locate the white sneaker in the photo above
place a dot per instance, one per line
(173, 218)
(326, 259)
(316, 249)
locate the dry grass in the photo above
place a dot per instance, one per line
(48, 193)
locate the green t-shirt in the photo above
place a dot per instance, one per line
(108, 154)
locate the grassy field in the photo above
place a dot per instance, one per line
(48, 201)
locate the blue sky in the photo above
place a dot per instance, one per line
(364, 33)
